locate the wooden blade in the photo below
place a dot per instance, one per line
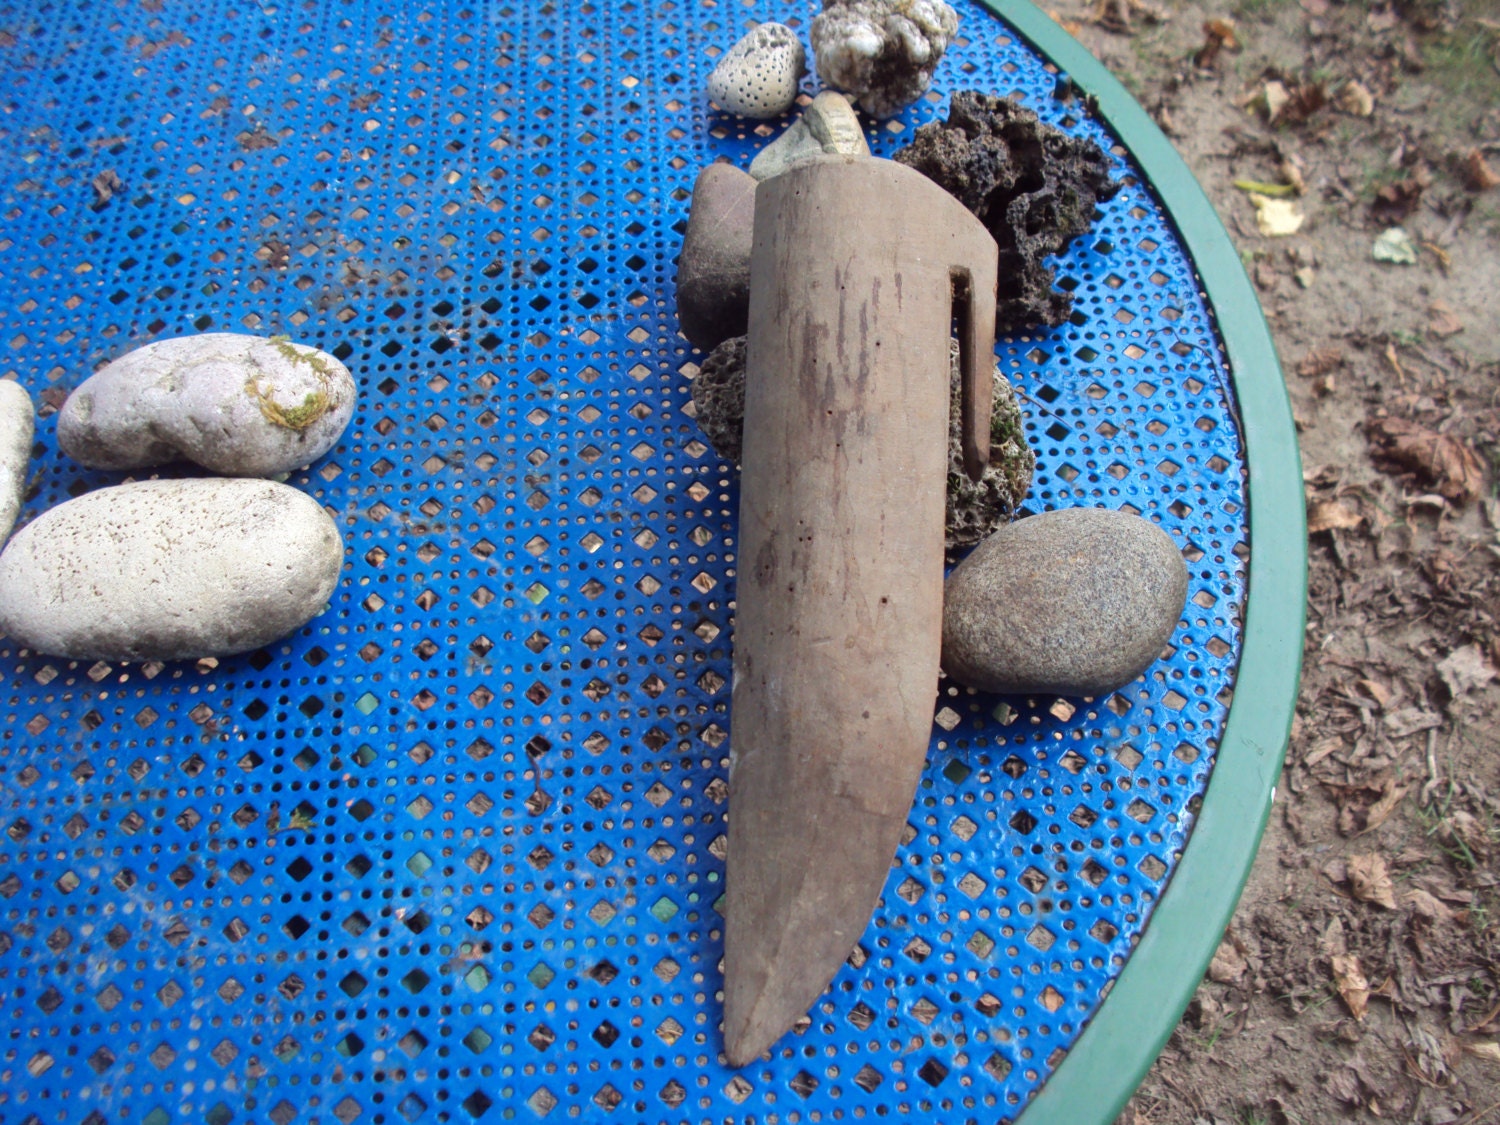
(839, 598)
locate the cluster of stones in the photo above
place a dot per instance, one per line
(1076, 602)
(882, 53)
(180, 568)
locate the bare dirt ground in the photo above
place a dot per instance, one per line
(1360, 979)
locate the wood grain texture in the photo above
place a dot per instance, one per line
(840, 585)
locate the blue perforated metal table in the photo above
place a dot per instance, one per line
(455, 850)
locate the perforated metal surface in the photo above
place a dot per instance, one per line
(455, 851)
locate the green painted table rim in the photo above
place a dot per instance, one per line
(1126, 1034)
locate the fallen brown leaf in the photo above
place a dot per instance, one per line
(1477, 173)
(1443, 321)
(1320, 361)
(1464, 669)
(1228, 964)
(1355, 98)
(1427, 905)
(1365, 805)
(1322, 748)
(1218, 34)
(1370, 880)
(1381, 810)
(105, 184)
(1326, 515)
(1411, 720)
(1487, 1049)
(1332, 941)
(1376, 691)
(1442, 460)
(1396, 201)
(1114, 15)
(1349, 980)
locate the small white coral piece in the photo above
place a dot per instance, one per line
(758, 76)
(882, 52)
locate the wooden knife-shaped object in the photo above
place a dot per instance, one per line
(860, 270)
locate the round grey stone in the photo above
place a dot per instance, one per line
(239, 405)
(17, 429)
(713, 271)
(1075, 602)
(169, 570)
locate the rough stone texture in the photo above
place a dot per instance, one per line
(975, 509)
(239, 405)
(719, 398)
(882, 52)
(758, 76)
(1074, 602)
(713, 271)
(17, 430)
(1034, 187)
(978, 508)
(169, 570)
(828, 127)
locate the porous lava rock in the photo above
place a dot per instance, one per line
(975, 508)
(1033, 186)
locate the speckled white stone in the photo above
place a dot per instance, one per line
(239, 405)
(17, 430)
(758, 76)
(169, 570)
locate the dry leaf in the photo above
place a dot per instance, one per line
(1429, 1060)
(1276, 218)
(1276, 97)
(1444, 321)
(1411, 720)
(1394, 246)
(1350, 981)
(1371, 881)
(1332, 941)
(1486, 1049)
(1303, 100)
(1381, 810)
(1463, 830)
(105, 184)
(1464, 669)
(1376, 691)
(1228, 964)
(1322, 748)
(1442, 460)
(1325, 515)
(1355, 98)
(1217, 36)
(1396, 201)
(1477, 172)
(1320, 361)
(1427, 905)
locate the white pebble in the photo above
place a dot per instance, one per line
(758, 76)
(240, 405)
(169, 570)
(17, 429)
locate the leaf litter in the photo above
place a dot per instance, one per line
(1360, 978)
